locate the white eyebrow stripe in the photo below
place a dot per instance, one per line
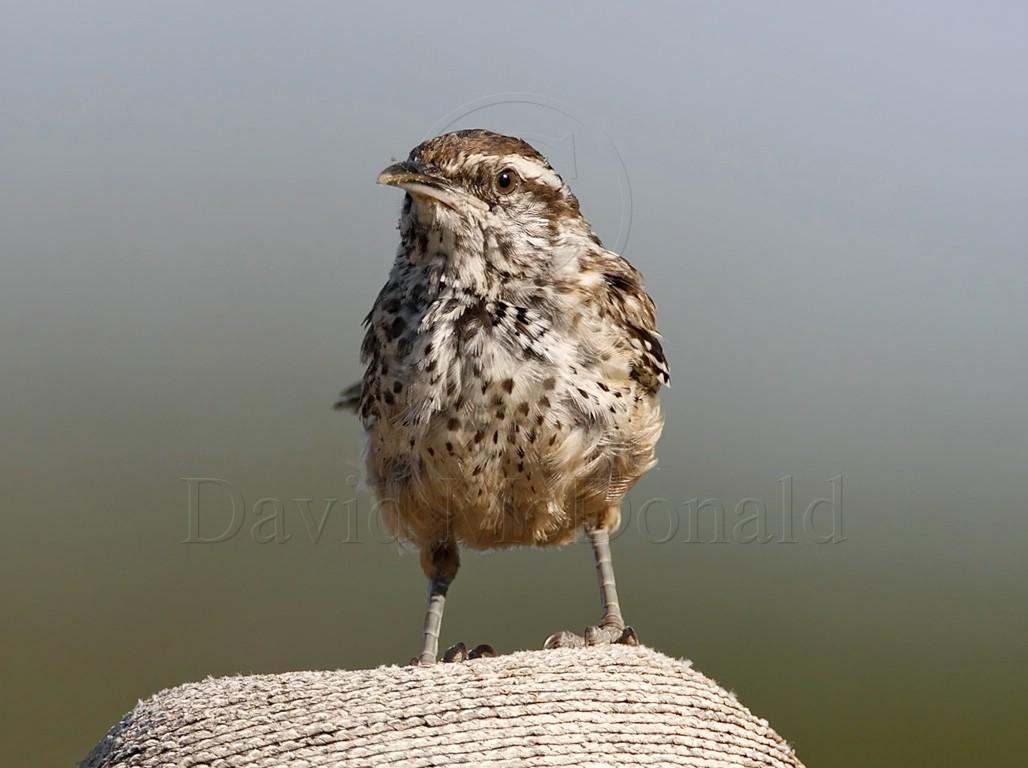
(526, 168)
(532, 169)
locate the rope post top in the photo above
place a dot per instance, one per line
(599, 706)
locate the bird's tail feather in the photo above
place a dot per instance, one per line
(349, 398)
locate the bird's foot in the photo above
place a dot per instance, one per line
(594, 635)
(457, 653)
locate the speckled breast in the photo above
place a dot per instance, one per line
(499, 438)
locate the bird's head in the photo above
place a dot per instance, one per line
(490, 193)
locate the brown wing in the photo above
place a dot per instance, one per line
(624, 301)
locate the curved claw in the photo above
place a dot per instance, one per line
(628, 637)
(455, 654)
(564, 639)
(594, 635)
(482, 651)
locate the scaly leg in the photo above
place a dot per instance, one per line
(611, 628)
(440, 564)
(612, 619)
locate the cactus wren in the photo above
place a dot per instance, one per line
(512, 369)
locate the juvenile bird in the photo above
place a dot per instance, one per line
(512, 366)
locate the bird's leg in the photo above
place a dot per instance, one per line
(440, 563)
(611, 628)
(433, 621)
(612, 619)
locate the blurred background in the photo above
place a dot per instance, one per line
(828, 204)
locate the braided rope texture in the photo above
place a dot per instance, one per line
(599, 706)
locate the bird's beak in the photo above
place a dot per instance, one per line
(418, 180)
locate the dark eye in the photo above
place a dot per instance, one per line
(507, 181)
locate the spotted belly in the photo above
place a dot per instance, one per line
(506, 463)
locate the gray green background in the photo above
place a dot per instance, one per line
(829, 204)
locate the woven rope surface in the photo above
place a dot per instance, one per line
(600, 706)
